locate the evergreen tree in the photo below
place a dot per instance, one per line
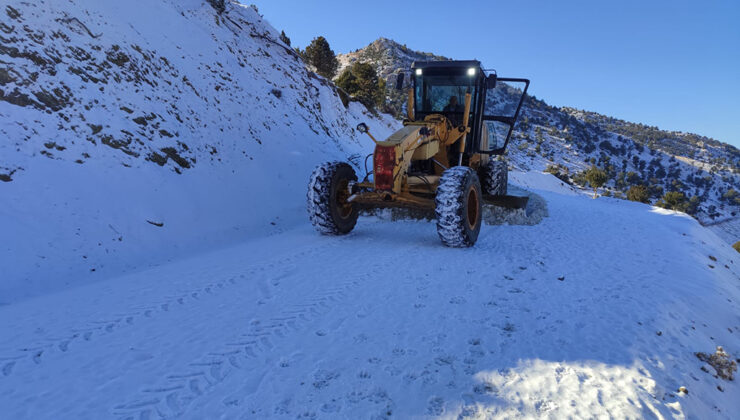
(674, 200)
(660, 172)
(638, 193)
(284, 38)
(731, 196)
(693, 206)
(596, 178)
(560, 171)
(321, 57)
(655, 190)
(361, 81)
(632, 178)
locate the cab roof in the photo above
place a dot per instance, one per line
(449, 64)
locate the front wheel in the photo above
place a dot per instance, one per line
(458, 207)
(328, 191)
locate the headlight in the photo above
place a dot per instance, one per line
(471, 71)
(418, 72)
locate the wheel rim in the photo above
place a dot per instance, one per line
(344, 207)
(472, 208)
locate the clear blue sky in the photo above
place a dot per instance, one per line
(670, 63)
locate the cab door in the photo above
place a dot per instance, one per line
(501, 107)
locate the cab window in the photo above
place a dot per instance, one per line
(442, 93)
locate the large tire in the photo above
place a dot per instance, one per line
(328, 191)
(494, 178)
(458, 207)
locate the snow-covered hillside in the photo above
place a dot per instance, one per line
(596, 312)
(143, 130)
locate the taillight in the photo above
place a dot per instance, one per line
(384, 162)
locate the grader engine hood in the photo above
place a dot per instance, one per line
(415, 141)
(400, 147)
(422, 140)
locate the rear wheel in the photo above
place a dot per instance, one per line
(458, 207)
(328, 191)
(494, 177)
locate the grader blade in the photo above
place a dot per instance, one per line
(506, 201)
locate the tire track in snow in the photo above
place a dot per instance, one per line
(76, 336)
(101, 328)
(209, 370)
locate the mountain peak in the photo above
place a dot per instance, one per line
(387, 55)
(385, 42)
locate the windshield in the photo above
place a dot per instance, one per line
(442, 94)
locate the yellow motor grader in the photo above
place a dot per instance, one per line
(459, 115)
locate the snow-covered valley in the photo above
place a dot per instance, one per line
(156, 258)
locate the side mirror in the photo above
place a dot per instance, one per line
(491, 81)
(399, 81)
(362, 127)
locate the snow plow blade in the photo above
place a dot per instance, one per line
(507, 201)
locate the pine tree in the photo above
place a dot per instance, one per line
(361, 81)
(596, 178)
(674, 200)
(693, 206)
(632, 178)
(321, 57)
(284, 38)
(731, 196)
(638, 193)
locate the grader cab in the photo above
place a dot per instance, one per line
(459, 118)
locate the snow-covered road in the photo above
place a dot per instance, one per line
(596, 311)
